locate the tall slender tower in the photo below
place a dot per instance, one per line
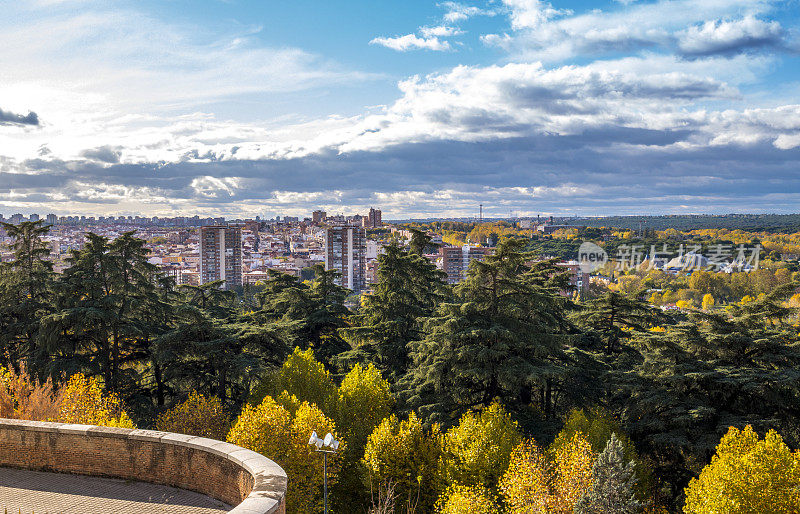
(346, 252)
(221, 254)
(481, 213)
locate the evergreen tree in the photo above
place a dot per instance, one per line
(25, 294)
(614, 317)
(407, 289)
(504, 336)
(304, 315)
(613, 483)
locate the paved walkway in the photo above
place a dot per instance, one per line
(40, 493)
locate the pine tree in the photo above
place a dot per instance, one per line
(25, 294)
(614, 317)
(407, 289)
(504, 336)
(613, 484)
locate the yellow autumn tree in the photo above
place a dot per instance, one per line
(708, 301)
(84, 402)
(461, 499)
(403, 453)
(198, 415)
(747, 475)
(302, 376)
(274, 432)
(477, 450)
(572, 473)
(526, 483)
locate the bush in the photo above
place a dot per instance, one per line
(23, 397)
(199, 416)
(83, 402)
(460, 499)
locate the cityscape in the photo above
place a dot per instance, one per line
(400, 257)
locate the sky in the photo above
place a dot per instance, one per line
(240, 108)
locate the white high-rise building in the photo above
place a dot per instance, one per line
(221, 254)
(346, 252)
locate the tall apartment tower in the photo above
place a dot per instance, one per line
(221, 254)
(346, 252)
(318, 216)
(455, 260)
(373, 219)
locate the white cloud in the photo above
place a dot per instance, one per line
(457, 12)
(720, 37)
(411, 42)
(440, 31)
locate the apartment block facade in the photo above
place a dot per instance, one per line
(221, 255)
(454, 260)
(346, 252)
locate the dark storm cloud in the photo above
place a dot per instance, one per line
(10, 118)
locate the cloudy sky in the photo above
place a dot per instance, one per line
(421, 108)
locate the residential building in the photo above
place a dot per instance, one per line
(221, 254)
(318, 216)
(454, 260)
(373, 219)
(346, 252)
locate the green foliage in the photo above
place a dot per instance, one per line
(407, 455)
(478, 449)
(613, 483)
(408, 287)
(503, 336)
(303, 377)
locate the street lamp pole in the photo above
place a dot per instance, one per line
(328, 442)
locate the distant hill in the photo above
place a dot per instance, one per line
(749, 222)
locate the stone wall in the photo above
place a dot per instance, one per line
(234, 475)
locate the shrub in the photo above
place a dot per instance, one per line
(83, 402)
(460, 499)
(23, 397)
(199, 416)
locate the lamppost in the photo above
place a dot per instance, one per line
(320, 445)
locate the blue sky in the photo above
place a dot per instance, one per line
(246, 107)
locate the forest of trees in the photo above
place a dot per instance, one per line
(499, 394)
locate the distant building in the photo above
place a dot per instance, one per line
(346, 252)
(34, 217)
(454, 260)
(52, 219)
(373, 219)
(221, 254)
(318, 216)
(577, 279)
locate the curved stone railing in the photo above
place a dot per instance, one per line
(229, 473)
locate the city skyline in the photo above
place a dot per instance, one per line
(235, 108)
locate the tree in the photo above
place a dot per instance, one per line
(708, 301)
(302, 315)
(505, 336)
(407, 455)
(526, 483)
(199, 416)
(460, 499)
(747, 475)
(614, 318)
(302, 376)
(613, 483)
(573, 474)
(477, 451)
(25, 294)
(408, 287)
(25, 397)
(273, 431)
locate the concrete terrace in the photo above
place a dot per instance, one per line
(36, 492)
